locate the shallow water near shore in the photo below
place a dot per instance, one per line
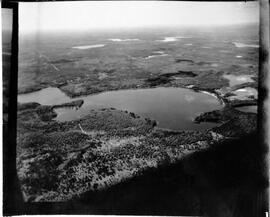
(173, 108)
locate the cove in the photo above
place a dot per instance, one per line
(172, 108)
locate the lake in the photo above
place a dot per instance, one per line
(173, 108)
(238, 79)
(242, 45)
(88, 46)
(251, 108)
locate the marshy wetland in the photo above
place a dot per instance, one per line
(101, 108)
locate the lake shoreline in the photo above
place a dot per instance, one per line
(62, 161)
(223, 98)
(110, 146)
(112, 133)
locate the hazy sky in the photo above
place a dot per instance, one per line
(52, 16)
(6, 19)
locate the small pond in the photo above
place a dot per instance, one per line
(251, 109)
(238, 79)
(173, 108)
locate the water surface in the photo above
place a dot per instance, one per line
(252, 108)
(241, 45)
(173, 108)
(88, 46)
(122, 40)
(157, 54)
(238, 79)
(46, 96)
(245, 94)
(172, 38)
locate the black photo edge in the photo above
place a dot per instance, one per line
(12, 197)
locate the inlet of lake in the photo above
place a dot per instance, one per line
(172, 108)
